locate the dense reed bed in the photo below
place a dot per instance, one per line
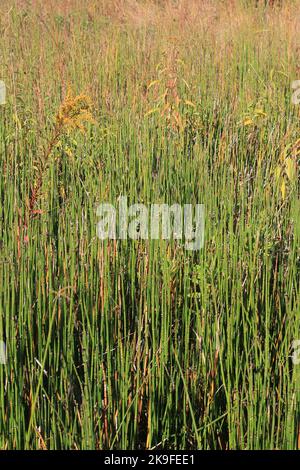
(140, 343)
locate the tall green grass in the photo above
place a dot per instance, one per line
(142, 344)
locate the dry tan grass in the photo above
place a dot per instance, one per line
(169, 15)
(179, 25)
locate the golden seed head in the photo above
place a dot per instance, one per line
(75, 111)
